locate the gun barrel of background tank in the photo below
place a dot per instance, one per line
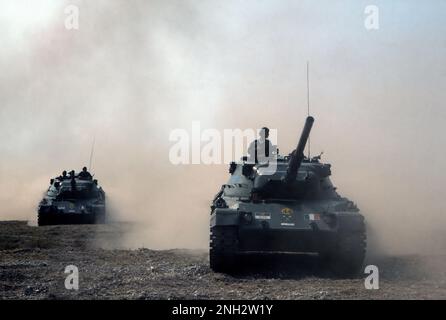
(298, 154)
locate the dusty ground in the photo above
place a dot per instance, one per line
(33, 259)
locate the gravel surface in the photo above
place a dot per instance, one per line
(33, 260)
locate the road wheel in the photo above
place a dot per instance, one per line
(223, 249)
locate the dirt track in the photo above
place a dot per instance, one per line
(32, 263)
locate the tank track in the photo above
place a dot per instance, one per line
(223, 249)
(347, 257)
(43, 220)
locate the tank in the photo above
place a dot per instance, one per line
(287, 205)
(72, 201)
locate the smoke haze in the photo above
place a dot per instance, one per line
(135, 70)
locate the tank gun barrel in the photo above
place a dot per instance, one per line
(297, 155)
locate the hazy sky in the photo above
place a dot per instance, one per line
(135, 70)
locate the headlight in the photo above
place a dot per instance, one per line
(329, 219)
(247, 217)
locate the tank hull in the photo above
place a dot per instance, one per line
(280, 228)
(338, 237)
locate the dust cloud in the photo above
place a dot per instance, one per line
(135, 70)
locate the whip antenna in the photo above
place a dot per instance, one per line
(91, 153)
(308, 104)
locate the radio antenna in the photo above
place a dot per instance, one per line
(308, 104)
(91, 153)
